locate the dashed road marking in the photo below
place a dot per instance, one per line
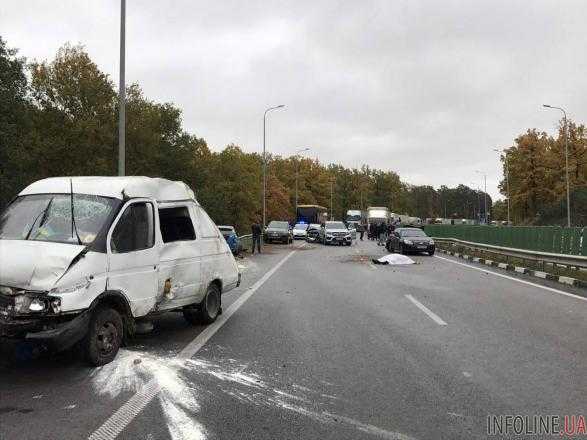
(426, 310)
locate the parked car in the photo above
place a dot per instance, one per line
(84, 258)
(404, 240)
(278, 231)
(229, 234)
(300, 230)
(313, 232)
(335, 233)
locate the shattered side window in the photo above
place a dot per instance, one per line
(176, 224)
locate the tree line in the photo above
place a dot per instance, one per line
(537, 172)
(59, 118)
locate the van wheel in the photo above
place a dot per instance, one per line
(104, 336)
(208, 310)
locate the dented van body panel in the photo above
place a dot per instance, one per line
(158, 250)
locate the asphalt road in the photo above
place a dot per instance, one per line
(320, 343)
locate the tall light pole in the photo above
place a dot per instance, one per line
(566, 133)
(484, 193)
(331, 201)
(122, 93)
(265, 163)
(477, 190)
(297, 174)
(507, 176)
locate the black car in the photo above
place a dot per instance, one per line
(404, 240)
(278, 231)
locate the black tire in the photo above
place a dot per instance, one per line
(104, 336)
(401, 249)
(388, 247)
(208, 310)
(431, 252)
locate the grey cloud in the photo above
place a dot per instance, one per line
(425, 88)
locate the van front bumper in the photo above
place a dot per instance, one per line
(52, 332)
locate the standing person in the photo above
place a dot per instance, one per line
(361, 229)
(380, 232)
(256, 230)
(390, 228)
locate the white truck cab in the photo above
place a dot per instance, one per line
(82, 259)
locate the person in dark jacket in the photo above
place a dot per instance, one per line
(381, 228)
(257, 231)
(361, 230)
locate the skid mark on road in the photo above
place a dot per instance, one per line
(426, 310)
(528, 283)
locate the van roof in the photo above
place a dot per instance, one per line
(116, 187)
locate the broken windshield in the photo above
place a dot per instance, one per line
(47, 217)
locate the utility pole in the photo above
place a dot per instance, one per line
(331, 201)
(265, 163)
(485, 215)
(566, 134)
(122, 94)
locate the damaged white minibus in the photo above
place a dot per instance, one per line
(83, 259)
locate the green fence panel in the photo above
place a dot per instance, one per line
(554, 239)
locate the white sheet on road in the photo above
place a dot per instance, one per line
(395, 259)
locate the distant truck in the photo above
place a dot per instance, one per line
(378, 214)
(311, 214)
(355, 216)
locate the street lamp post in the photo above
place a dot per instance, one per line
(265, 163)
(566, 133)
(331, 201)
(122, 93)
(507, 172)
(477, 190)
(297, 174)
(484, 194)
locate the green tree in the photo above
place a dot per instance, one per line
(15, 124)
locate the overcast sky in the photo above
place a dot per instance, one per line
(424, 88)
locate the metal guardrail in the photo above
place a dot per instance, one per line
(246, 241)
(544, 257)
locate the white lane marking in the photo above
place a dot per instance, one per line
(426, 310)
(116, 423)
(528, 283)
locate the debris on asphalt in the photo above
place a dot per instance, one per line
(179, 393)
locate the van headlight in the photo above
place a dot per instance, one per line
(408, 242)
(5, 290)
(431, 242)
(81, 284)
